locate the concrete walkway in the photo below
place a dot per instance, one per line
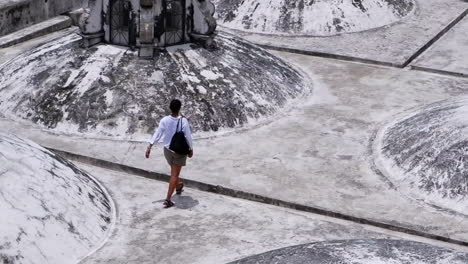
(49, 26)
(450, 54)
(9, 53)
(207, 228)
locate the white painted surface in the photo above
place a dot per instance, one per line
(316, 153)
(430, 165)
(391, 44)
(313, 18)
(450, 53)
(208, 228)
(51, 212)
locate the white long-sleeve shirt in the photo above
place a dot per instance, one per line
(167, 128)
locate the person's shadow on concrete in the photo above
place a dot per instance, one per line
(182, 201)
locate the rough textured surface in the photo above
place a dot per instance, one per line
(317, 153)
(426, 153)
(34, 31)
(9, 53)
(205, 228)
(109, 91)
(51, 211)
(18, 14)
(449, 53)
(393, 44)
(306, 17)
(360, 252)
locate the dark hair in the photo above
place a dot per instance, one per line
(175, 106)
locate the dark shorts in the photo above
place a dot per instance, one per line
(174, 158)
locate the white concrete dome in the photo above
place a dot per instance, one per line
(359, 251)
(52, 212)
(424, 153)
(309, 17)
(108, 91)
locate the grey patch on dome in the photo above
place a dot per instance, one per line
(359, 252)
(425, 153)
(110, 91)
(400, 7)
(310, 17)
(50, 204)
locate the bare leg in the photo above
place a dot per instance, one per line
(175, 172)
(179, 182)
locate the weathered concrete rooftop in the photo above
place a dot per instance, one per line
(315, 172)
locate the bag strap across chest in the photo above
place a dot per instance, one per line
(179, 122)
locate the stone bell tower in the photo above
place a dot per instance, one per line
(148, 25)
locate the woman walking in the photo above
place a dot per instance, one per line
(169, 126)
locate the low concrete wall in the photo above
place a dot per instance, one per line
(18, 14)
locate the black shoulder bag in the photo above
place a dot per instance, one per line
(178, 142)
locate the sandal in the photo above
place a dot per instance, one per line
(180, 188)
(168, 203)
